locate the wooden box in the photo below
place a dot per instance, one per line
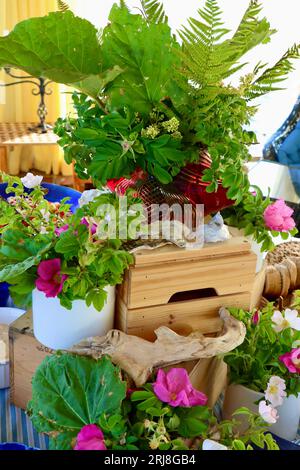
(184, 289)
(25, 353)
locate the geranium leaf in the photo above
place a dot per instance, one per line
(61, 47)
(69, 392)
(147, 53)
(14, 270)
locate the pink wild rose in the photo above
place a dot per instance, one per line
(50, 280)
(92, 227)
(268, 413)
(278, 217)
(255, 317)
(175, 388)
(90, 438)
(292, 360)
(58, 231)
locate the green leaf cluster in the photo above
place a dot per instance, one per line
(137, 67)
(256, 360)
(91, 261)
(70, 392)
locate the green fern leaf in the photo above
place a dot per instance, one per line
(62, 6)
(251, 31)
(154, 11)
(208, 58)
(268, 80)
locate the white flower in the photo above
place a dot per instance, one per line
(31, 181)
(43, 230)
(209, 444)
(289, 319)
(275, 392)
(267, 412)
(45, 214)
(89, 196)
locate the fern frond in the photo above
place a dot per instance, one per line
(251, 31)
(268, 80)
(208, 58)
(204, 62)
(62, 6)
(154, 11)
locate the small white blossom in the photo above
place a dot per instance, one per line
(45, 214)
(268, 413)
(89, 196)
(209, 444)
(275, 392)
(288, 319)
(31, 181)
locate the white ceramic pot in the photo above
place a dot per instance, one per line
(238, 396)
(7, 316)
(59, 328)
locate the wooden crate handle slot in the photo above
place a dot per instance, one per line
(193, 295)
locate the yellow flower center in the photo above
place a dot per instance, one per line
(285, 324)
(273, 389)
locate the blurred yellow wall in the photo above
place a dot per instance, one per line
(19, 105)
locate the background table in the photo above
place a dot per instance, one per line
(12, 134)
(19, 134)
(15, 426)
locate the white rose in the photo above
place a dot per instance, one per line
(209, 444)
(89, 196)
(31, 181)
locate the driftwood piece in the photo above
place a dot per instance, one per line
(139, 357)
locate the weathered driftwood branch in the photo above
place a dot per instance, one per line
(139, 357)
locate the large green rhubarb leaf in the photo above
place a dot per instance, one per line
(70, 391)
(148, 55)
(61, 47)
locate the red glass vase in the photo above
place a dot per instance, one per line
(189, 183)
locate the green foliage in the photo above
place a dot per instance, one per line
(62, 6)
(69, 392)
(90, 261)
(113, 145)
(154, 11)
(248, 214)
(256, 360)
(70, 52)
(146, 53)
(136, 68)
(268, 80)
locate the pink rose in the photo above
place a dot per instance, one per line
(50, 280)
(292, 360)
(92, 227)
(278, 217)
(268, 413)
(175, 388)
(90, 438)
(255, 317)
(58, 231)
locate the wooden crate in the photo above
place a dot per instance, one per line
(184, 289)
(26, 353)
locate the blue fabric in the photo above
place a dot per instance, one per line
(284, 146)
(16, 427)
(55, 193)
(4, 294)
(15, 446)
